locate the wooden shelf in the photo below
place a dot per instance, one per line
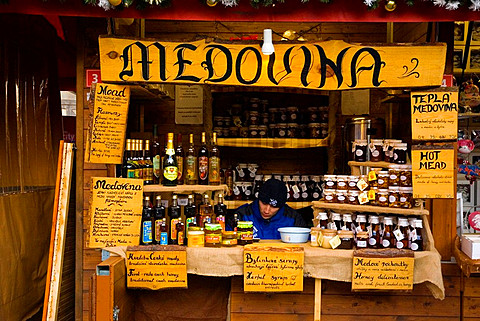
(370, 164)
(370, 208)
(272, 142)
(184, 189)
(468, 115)
(235, 204)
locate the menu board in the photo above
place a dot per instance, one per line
(434, 114)
(115, 212)
(157, 267)
(382, 270)
(433, 172)
(107, 137)
(273, 268)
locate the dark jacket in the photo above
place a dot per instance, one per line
(267, 229)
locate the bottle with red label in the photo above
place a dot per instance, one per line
(170, 165)
(202, 158)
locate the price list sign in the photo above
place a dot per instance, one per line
(433, 172)
(107, 137)
(115, 212)
(157, 267)
(435, 114)
(273, 268)
(382, 270)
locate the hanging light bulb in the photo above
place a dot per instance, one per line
(390, 5)
(212, 3)
(267, 47)
(115, 2)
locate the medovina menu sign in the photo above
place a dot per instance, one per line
(328, 65)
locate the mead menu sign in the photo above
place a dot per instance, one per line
(435, 114)
(329, 65)
(115, 212)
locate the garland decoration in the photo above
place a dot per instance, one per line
(390, 5)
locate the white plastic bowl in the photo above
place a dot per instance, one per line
(294, 234)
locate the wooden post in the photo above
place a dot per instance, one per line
(318, 300)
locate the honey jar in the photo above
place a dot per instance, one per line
(394, 196)
(352, 181)
(376, 150)
(406, 197)
(213, 235)
(400, 153)
(362, 240)
(405, 175)
(323, 130)
(341, 196)
(272, 130)
(314, 236)
(346, 239)
(253, 117)
(245, 232)
(382, 179)
(253, 131)
(281, 130)
(233, 131)
(327, 235)
(313, 114)
(292, 114)
(292, 130)
(360, 150)
(330, 181)
(229, 238)
(196, 238)
(394, 175)
(282, 115)
(382, 197)
(342, 182)
(329, 195)
(314, 130)
(352, 197)
(262, 131)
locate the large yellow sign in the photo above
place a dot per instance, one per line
(433, 172)
(109, 124)
(329, 65)
(157, 267)
(382, 272)
(115, 212)
(435, 114)
(273, 268)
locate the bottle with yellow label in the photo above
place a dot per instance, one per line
(170, 166)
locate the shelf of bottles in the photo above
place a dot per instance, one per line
(370, 208)
(184, 189)
(238, 203)
(273, 142)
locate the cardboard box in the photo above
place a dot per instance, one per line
(471, 245)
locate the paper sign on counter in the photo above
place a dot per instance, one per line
(157, 267)
(273, 268)
(435, 114)
(107, 137)
(382, 270)
(433, 172)
(115, 212)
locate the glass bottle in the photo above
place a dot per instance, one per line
(129, 166)
(316, 190)
(220, 210)
(347, 222)
(374, 232)
(203, 162)
(229, 182)
(361, 222)
(174, 214)
(140, 158)
(205, 212)
(164, 232)
(136, 158)
(180, 230)
(323, 217)
(337, 220)
(236, 219)
(214, 163)
(158, 216)
(388, 239)
(402, 234)
(190, 213)
(416, 238)
(179, 155)
(191, 164)
(156, 156)
(148, 167)
(170, 167)
(146, 237)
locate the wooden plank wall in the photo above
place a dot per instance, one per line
(340, 304)
(471, 298)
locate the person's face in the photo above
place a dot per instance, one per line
(267, 211)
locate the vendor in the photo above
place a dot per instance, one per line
(269, 212)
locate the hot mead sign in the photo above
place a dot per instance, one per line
(329, 65)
